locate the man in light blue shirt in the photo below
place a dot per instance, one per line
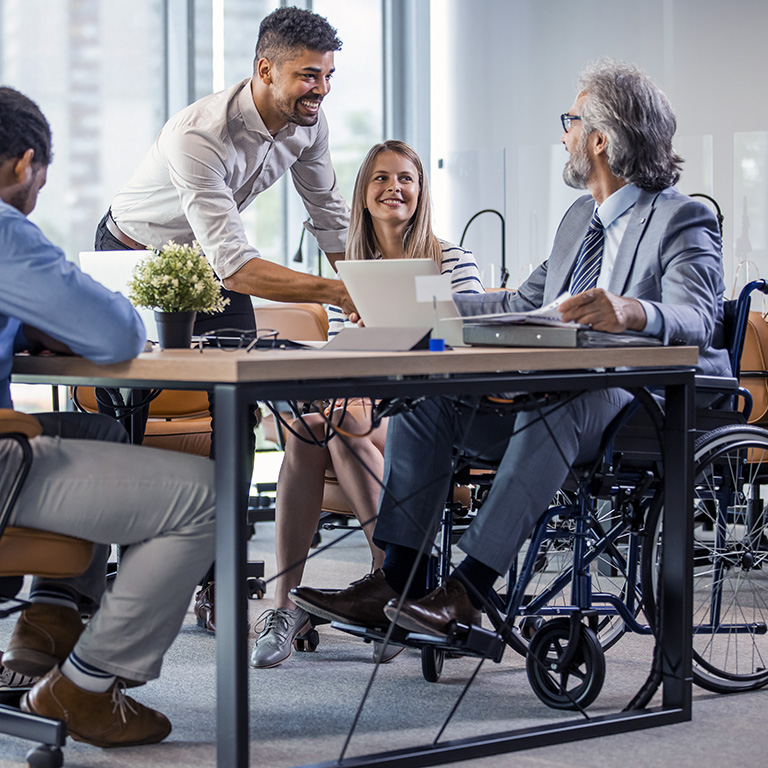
(86, 481)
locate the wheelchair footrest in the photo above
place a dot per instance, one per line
(465, 641)
(372, 634)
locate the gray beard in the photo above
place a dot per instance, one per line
(578, 169)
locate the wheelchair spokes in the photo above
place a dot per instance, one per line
(730, 580)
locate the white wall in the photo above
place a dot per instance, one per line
(504, 70)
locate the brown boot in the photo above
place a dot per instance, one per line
(109, 719)
(43, 637)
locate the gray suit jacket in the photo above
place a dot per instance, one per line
(669, 256)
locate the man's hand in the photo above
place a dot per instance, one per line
(345, 302)
(604, 311)
(274, 282)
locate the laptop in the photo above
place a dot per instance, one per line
(114, 269)
(403, 293)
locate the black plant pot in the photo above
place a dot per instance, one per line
(174, 329)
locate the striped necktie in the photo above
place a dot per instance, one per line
(588, 264)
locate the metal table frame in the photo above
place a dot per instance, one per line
(232, 403)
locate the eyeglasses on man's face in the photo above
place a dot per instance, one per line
(567, 119)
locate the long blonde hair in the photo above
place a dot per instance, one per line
(419, 242)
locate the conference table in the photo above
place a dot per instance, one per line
(240, 378)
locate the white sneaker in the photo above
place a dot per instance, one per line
(282, 626)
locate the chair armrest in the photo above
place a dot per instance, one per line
(20, 423)
(716, 383)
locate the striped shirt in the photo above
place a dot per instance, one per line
(457, 262)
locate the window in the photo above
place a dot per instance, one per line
(101, 88)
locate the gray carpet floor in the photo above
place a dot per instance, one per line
(300, 712)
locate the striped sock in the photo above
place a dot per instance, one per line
(52, 594)
(85, 675)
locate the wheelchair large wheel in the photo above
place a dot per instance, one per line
(578, 683)
(610, 573)
(730, 568)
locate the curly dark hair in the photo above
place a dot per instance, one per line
(23, 126)
(289, 29)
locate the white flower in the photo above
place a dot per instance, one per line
(176, 278)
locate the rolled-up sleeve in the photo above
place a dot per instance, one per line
(198, 169)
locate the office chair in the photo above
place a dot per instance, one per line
(26, 551)
(298, 322)
(178, 420)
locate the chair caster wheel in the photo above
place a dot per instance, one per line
(432, 663)
(256, 588)
(572, 685)
(45, 756)
(307, 642)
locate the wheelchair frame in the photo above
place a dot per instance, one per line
(577, 630)
(564, 643)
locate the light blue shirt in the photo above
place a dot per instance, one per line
(614, 213)
(40, 288)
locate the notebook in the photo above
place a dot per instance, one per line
(403, 293)
(113, 269)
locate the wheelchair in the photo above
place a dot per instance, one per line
(591, 569)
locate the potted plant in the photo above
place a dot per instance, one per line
(177, 282)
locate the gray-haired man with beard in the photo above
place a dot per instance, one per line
(636, 255)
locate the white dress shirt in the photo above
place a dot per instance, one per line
(210, 161)
(614, 213)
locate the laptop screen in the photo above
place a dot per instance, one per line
(398, 293)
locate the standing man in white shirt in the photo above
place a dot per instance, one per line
(212, 159)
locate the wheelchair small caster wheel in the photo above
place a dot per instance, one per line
(45, 756)
(257, 588)
(432, 663)
(307, 642)
(574, 684)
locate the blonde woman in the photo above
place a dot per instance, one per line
(390, 219)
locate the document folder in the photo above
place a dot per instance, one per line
(530, 335)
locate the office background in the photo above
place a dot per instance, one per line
(475, 85)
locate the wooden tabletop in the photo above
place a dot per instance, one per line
(218, 366)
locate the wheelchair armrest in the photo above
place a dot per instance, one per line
(729, 388)
(715, 383)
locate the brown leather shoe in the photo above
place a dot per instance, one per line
(438, 612)
(362, 602)
(109, 719)
(205, 607)
(42, 638)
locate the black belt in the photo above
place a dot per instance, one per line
(118, 234)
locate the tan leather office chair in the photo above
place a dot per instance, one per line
(26, 551)
(178, 420)
(298, 322)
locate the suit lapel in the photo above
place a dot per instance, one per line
(627, 253)
(562, 262)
